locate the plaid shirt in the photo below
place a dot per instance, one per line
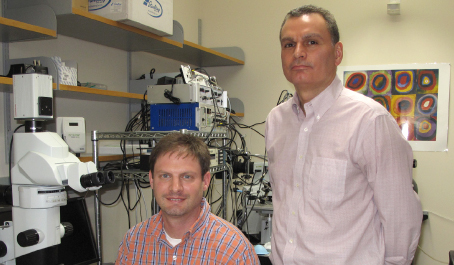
(211, 240)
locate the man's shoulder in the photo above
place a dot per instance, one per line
(283, 107)
(362, 102)
(281, 111)
(147, 227)
(219, 227)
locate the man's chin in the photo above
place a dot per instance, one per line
(174, 212)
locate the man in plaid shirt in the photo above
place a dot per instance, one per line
(184, 231)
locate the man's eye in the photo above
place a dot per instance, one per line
(288, 45)
(165, 176)
(312, 42)
(186, 177)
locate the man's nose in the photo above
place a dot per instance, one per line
(175, 185)
(299, 51)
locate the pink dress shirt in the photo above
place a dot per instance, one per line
(342, 182)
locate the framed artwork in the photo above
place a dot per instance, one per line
(416, 95)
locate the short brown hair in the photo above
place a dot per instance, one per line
(310, 9)
(185, 145)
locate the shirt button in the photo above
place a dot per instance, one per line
(174, 257)
(305, 129)
(318, 117)
(297, 185)
(293, 212)
(291, 241)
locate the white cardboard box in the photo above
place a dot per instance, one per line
(155, 16)
(67, 71)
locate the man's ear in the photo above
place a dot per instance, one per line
(206, 180)
(339, 52)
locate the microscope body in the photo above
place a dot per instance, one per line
(43, 167)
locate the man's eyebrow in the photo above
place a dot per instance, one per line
(307, 36)
(312, 35)
(287, 39)
(160, 172)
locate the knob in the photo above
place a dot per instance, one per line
(3, 249)
(28, 238)
(69, 229)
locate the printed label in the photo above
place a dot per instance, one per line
(154, 8)
(97, 4)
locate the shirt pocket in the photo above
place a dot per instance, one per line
(327, 181)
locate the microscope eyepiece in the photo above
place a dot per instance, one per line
(109, 177)
(92, 180)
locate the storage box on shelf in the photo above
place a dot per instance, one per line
(152, 16)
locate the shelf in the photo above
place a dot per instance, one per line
(12, 31)
(93, 28)
(204, 57)
(104, 158)
(85, 93)
(100, 30)
(83, 25)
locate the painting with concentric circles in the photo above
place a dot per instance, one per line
(410, 95)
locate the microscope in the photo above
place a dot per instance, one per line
(43, 167)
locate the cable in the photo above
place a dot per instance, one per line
(286, 97)
(169, 94)
(431, 256)
(242, 126)
(441, 216)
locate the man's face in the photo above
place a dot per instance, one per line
(178, 186)
(309, 59)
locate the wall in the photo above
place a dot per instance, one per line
(370, 37)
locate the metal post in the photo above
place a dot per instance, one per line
(224, 183)
(6, 96)
(94, 140)
(155, 206)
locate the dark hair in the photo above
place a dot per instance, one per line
(184, 145)
(310, 9)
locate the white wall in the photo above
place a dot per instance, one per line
(420, 35)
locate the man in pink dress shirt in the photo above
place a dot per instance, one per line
(340, 169)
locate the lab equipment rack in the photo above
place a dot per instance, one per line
(97, 136)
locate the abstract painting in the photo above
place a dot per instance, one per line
(416, 95)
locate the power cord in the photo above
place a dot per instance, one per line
(169, 94)
(419, 247)
(427, 254)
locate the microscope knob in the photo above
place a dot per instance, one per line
(69, 229)
(3, 249)
(28, 238)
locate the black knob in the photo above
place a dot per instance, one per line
(28, 238)
(3, 249)
(69, 229)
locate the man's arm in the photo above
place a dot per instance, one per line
(247, 256)
(389, 170)
(122, 251)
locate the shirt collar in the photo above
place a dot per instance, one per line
(203, 218)
(323, 101)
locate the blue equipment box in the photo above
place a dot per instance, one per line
(170, 117)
